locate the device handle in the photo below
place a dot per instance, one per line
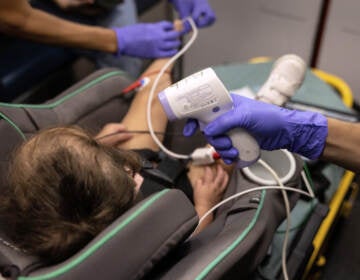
(245, 143)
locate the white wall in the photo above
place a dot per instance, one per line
(339, 53)
(246, 29)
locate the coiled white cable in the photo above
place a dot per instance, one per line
(153, 88)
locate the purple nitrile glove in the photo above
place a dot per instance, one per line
(148, 40)
(200, 10)
(272, 126)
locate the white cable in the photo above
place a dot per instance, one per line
(246, 192)
(274, 157)
(153, 88)
(286, 202)
(307, 184)
(288, 217)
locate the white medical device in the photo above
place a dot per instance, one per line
(204, 97)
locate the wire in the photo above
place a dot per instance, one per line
(139, 132)
(307, 184)
(283, 190)
(246, 192)
(153, 88)
(255, 175)
(288, 218)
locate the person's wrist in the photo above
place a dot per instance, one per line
(310, 137)
(100, 39)
(119, 41)
(202, 209)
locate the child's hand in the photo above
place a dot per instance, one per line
(112, 134)
(209, 188)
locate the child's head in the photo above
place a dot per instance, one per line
(64, 188)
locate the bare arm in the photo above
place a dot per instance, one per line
(136, 119)
(119, 134)
(18, 18)
(343, 144)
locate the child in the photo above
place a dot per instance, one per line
(66, 186)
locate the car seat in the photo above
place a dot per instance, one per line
(25, 64)
(153, 239)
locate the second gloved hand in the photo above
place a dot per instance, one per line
(272, 126)
(148, 40)
(199, 10)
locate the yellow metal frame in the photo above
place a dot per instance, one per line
(337, 83)
(334, 210)
(260, 59)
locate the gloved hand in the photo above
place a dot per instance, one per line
(199, 10)
(272, 126)
(148, 40)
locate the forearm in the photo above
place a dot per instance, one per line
(22, 20)
(136, 117)
(343, 144)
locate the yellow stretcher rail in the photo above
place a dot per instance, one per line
(337, 83)
(334, 209)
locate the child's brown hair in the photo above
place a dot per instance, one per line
(64, 188)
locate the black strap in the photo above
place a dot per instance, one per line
(173, 168)
(167, 170)
(303, 249)
(169, 173)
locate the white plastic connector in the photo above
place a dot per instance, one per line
(144, 82)
(202, 156)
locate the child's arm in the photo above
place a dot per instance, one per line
(112, 134)
(119, 134)
(136, 119)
